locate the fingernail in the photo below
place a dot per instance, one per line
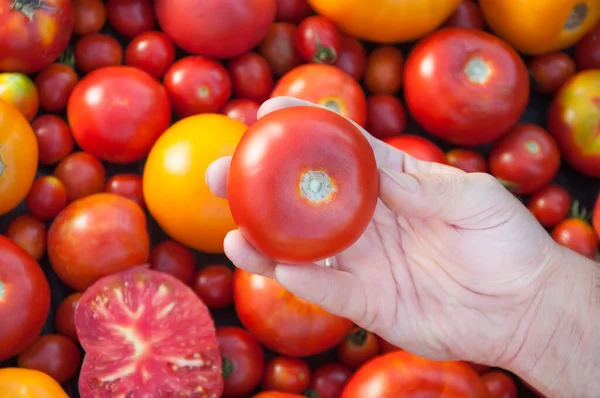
(405, 181)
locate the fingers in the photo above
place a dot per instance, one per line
(244, 256)
(216, 176)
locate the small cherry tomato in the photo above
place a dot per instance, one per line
(385, 346)
(55, 140)
(467, 160)
(19, 90)
(214, 285)
(127, 185)
(319, 169)
(29, 234)
(65, 316)
(131, 17)
(587, 50)
(385, 70)
(89, 16)
(174, 259)
(97, 50)
(550, 205)
(244, 110)
(328, 381)
(352, 57)
(577, 234)
(526, 159)
(46, 198)
(500, 384)
(293, 11)
(53, 354)
(386, 116)
(550, 71)
(286, 374)
(82, 174)
(318, 40)
(278, 48)
(251, 77)
(467, 15)
(358, 347)
(153, 52)
(55, 84)
(418, 147)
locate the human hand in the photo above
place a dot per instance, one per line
(449, 267)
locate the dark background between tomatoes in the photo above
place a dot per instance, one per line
(580, 188)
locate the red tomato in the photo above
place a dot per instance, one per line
(317, 169)
(153, 52)
(131, 17)
(214, 285)
(19, 91)
(161, 333)
(358, 347)
(24, 299)
(596, 217)
(500, 385)
(550, 205)
(97, 50)
(587, 50)
(318, 40)
(276, 394)
(396, 373)
(197, 85)
(384, 73)
(174, 259)
(251, 77)
(243, 361)
(352, 57)
(89, 16)
(418, 147)
(82, 175)
(97, 236)
(278, 48)
(128, 186)
(550, 71)
(327, 86)
(479, 368)
(65, 316)
(329, 380)
(55, 84)
(466, 86)
(216, 28)
(123, 118)
(386, 116)
(467, 160)
(467, 15)
(244, 110)
(291, 375)
(53, 354)
(54, 137)
(385, 346)
(46, 198)
(293, 11)
(33, 33)
(577, 235)
(283, 322)
(29, 234)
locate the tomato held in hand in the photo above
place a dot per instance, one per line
(158, 330)
(386, 116)
(53, 354)
(28, 383)
(358, 347)
(153, 52)
(385, 70)
(89, 16)
(243, 110)
(82, 175)
(251, 77)
(128, 186)
(500, 385)
(24, 299)
(587, 50)
(577, 234)
(97, 50)
(19, 90)
(550, 71)
(293, 11)
(46, 198)
(214, 285)
(55, 140)
(328, 381)
(65, 316)
(29, 234)
(352, 57)
(55, 84)
(418, 147)
(550, 205)
(467, 15)
(96, 236)
(467, 160)
(278, 48)
(291, 375)
(466, 86)
(174, 259)
(131, 17)
(298, 168)
(318, 40)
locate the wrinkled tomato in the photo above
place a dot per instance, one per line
(285, 374)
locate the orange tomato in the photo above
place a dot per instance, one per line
(18, 157)
(557, 24)
(28, 383)
(174, 188)
(19, 90)
(386, 21)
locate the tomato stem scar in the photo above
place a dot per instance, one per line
(532, 146)
(26, 7)
(203, 91)
(316, 186)
(577, 17)
(227, 367)
(332, 105)
(477, 70)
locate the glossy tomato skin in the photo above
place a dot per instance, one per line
(128, 186)
(478, 106)
(33, 34)
(243, 361)
(55, 140)
(587, 50)
(81, 174)
(214, 285)
(96, 236)
(329, 380)
(352, 57)
(89, 16)
(318, 40)
(283, 322)
(286, 374)
(243, 110)
(174, 259)
(217, 29)
(24, 287)
(153, 52)
(550, 71)
(577, 235)
(278, 48)
(54, 355)
(358, 347)
(467, 15)
(19, 90)
(55, 84)
(418, 147)
(500, 384)
(97, 50)
(467, 160)
(384, 73)
(64, 321)
(271, 196)
(292, 11)
(550, 205)
(132, 113)
(276, 394)
(29, 234)
(29, 383)
(386, 116)
(130, 17)
(396, 373)
(251, 77)
(46, 198)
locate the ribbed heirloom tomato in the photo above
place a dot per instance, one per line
(302, 184)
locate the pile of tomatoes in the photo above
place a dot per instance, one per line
(112, 274)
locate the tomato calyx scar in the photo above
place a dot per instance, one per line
(203, 91)
(27, 7)
(577, 17)
(324, 54)
(532, 146)
(316, 186)
(227, 368)
(478, 70)
(2, 164)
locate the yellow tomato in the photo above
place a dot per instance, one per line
(174, 187)
(541, 26)
(28, 383)
(386, 21)
(19, 90)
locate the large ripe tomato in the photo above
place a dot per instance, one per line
(325, 85)
(401, 373)
(300, 167)
(587, 50)
(158, 338)
(216, 28)
(286, 374)
(96, 236)
(556, 25)
(550, 205)
(55, 84)
(278, 48)
(386, 21)
(574, 121)
(174, 259)
(358, 347)
(29, 234)
(329, 380)
(53, 354)
(214, 285)
(174, 187)
(417, 147)
(33, 33)
(18, 157)
(54, 137)
(117, 113)
(28, 383)
(283, 322)
(550, 71)
(466, 86)
(19, 90)
(24, 299)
